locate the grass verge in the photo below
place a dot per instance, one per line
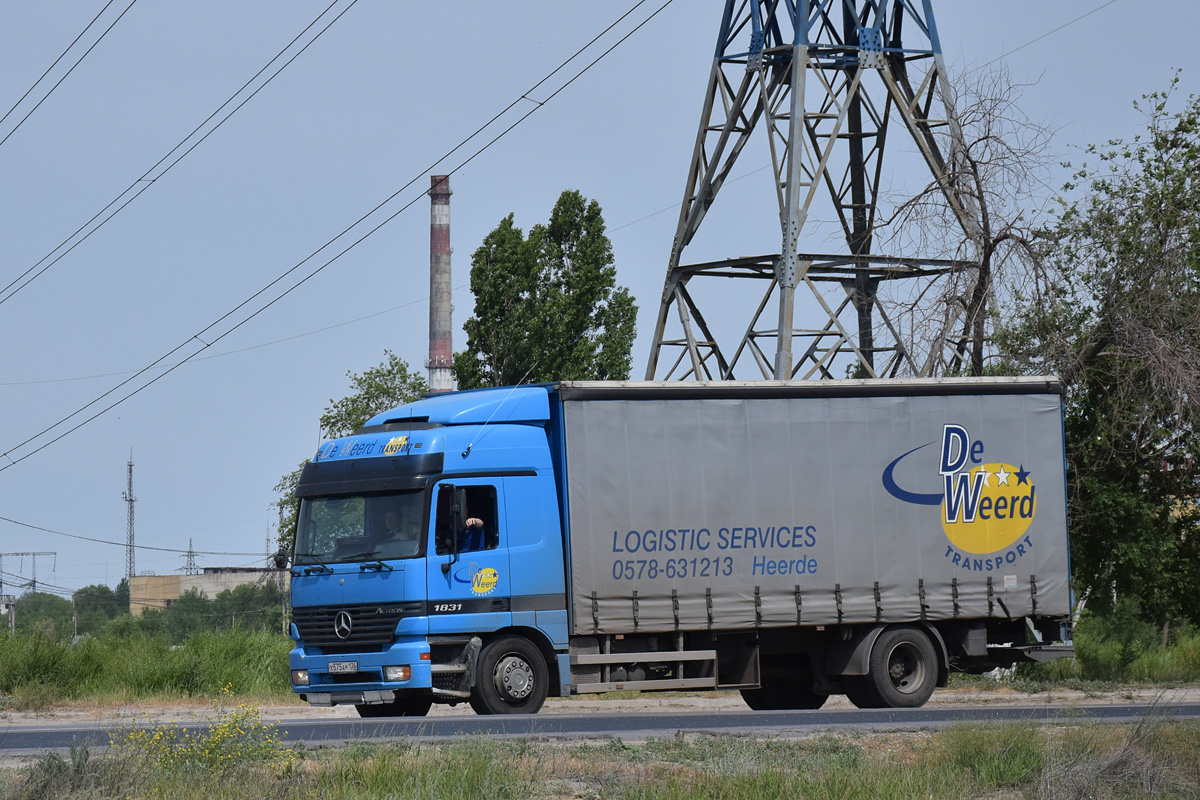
(237, 756)
(37, 672)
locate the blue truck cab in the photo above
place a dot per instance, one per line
(394, 597)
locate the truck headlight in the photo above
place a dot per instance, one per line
(300, 677)
(397, 673)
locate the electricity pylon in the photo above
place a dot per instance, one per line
(32, 585)
(825, 81)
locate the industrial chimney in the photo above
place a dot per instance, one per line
(441, 351)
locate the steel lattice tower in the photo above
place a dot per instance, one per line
(189, 566)
(129, 501)
(825, 81)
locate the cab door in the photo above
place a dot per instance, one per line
(468, 579)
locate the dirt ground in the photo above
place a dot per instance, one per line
(151, 712)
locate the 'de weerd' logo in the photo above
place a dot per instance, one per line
(986, 507)
(482, 580)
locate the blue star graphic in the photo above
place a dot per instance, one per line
(1022, 476)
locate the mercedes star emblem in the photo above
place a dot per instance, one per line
(342, 624)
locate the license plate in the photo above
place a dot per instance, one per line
(342, 667)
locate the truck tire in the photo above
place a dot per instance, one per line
(903, 671)
(406, 704)
(511, 678)
(788, 696)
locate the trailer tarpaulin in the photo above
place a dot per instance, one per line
(728, 512)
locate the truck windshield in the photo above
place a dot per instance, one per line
(360, 528)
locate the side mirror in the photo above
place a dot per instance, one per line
(458, 498)
(281, 559)
(458, 502)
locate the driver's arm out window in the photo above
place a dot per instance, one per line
(480, 504)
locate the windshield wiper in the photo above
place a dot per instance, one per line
(375, 564)
(318, 569)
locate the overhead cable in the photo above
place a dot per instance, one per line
(67, 73)
(148, 178)
(125, 544)
(207, 337)
(224, 353)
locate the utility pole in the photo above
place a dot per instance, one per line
(823, 84)
(33, 556)
(129, 501)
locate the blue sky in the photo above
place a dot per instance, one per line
(388, 89)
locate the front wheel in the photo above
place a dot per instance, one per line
(512, 678)
(406, 704)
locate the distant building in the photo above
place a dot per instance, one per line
(160, 591)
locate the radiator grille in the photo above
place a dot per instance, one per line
(371, 626)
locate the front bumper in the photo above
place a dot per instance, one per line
(367, 685)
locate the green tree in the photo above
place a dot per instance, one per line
(247, 607)
(48, 613)
(95, 605)
(122, 594)
(190, 612)
(250, 607)
(547, 307)
(376, 390)
(1115, 311)
(392, 383)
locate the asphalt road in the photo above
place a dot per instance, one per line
(24, 740)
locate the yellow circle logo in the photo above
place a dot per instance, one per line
(395, 445)
(484, 581)
(988, 508)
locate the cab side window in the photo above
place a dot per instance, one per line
(479, 502)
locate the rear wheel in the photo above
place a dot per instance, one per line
(903, 671)
(406, 704)
(512, 678)
(774, 697)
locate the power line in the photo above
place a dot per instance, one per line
(160, 603)
(145, 181)
(142, 600)
(23, 582)
(123, 544)
(67, 73)
(1044, 35)
(33, 555)
(211, 340)
(55, 64)
(241, 349)
(675, 206)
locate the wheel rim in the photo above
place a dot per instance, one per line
(513, 678)
(906, 668)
